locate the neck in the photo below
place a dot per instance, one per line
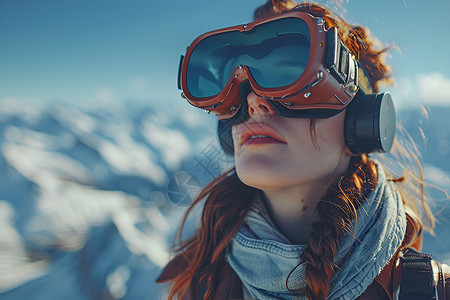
(293, 209)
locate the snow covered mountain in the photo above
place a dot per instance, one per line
(91, 197)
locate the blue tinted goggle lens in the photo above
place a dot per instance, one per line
(275, 52)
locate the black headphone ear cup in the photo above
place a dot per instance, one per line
(387, 122)
(350, 126)
(370, 123)
(225, 137)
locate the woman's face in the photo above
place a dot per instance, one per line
(273, 152)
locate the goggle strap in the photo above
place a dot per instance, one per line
(319, 113)
(179, 71)
(363, 80)
(337, 56)
(280, 109)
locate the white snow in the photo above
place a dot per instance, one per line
(13, 255)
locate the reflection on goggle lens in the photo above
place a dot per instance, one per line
(276, 54)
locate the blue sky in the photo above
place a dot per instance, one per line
(95, 50)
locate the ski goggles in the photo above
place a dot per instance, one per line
(289, 59)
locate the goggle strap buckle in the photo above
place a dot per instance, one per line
(337, 57)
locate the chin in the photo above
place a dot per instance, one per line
(261, 172)
(259, 182)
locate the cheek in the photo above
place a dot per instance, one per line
(330, 132)
(303, 136)
(235, 134)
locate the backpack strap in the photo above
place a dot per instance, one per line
(417, 281)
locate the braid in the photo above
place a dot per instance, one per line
(335, 211)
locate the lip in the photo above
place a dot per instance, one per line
(267, 134)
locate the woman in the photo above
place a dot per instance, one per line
(305, 212)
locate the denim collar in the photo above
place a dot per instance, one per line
(263, 258)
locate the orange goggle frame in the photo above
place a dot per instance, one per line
(328, 81)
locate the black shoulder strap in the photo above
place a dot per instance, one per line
(417, 277)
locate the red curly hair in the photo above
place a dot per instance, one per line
(227, 199)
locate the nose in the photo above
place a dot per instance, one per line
(259, 105)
